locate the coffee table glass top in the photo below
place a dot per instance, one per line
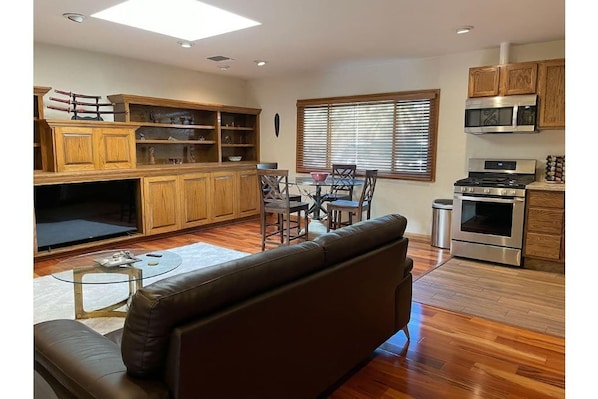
(143, 263)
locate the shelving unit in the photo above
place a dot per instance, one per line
(182, 132)
(38, 115)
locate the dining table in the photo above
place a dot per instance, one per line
(313, 189)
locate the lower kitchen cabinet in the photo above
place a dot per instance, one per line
(545, 230)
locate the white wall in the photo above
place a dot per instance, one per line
(102, 75)
(97, 74)
(450, 75)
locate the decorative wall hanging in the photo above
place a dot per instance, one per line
(276, 124)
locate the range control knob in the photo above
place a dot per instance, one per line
(486, 191)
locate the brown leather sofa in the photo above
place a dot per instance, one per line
(285, 323)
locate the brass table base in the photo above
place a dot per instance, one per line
(135, 282)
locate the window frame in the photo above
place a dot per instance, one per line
(433, 95)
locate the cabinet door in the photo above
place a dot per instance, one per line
(223, 195)
(161, 204)
(545, 225)
(483, 81)
(195, 199)
(249, 195)
(75, 149)
(551, 94)
(545, 220)
(116, 148)
(543, 246)
(518, 78)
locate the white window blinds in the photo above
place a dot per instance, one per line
(394, 133)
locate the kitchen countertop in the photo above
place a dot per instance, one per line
(542, 185)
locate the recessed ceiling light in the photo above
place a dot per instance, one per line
(260, 63)
(183, 19)
(185, 44)
(78, 18)
(464, 29)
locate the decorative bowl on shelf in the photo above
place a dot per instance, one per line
(319, 176)
(235, 158)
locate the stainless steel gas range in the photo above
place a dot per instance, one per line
(489, 210)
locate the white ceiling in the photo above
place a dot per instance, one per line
(309, 35)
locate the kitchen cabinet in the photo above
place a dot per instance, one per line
(551, 93)
(503, 80)
(75, 145)
(182, 132)
(545, 230)
(545, 78)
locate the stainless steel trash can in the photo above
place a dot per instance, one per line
(442, 210)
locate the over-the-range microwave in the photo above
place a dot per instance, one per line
(508, 114)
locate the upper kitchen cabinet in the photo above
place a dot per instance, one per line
(551, 93)
(544, 78)
(184, 132)
(483, 81)
(503, 80)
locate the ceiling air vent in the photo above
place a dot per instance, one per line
(219, 58)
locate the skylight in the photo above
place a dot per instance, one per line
(182, 19)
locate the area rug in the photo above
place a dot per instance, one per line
(53, 299)
(529, 299)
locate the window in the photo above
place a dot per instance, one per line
(393, 132)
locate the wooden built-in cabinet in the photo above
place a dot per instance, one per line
(177, 152)
(76, 145)
(545, 78)
(39, 160)
(176, 202)
(545, 230)
(181, 132)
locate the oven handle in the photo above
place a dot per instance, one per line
(490, 199)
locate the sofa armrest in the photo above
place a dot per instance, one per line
(86, 364)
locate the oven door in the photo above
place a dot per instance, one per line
(488, 220)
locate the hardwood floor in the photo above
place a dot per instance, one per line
(449, 355)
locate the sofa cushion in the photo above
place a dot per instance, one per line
(160, 306)
(350, 241)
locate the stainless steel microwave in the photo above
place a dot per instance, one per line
(508, 114)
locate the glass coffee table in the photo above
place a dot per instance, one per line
(115, 266)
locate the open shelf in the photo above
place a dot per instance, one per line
(188, 132)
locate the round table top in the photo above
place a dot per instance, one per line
(309, 181)
(137, 264)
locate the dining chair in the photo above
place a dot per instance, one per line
(342, 177)
(355, 209)
(291, 220)
(274, 165)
